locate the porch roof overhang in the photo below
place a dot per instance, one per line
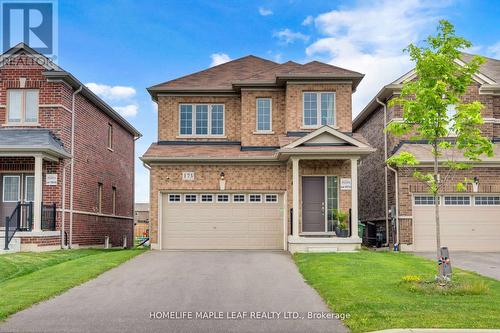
(30, 142)
(322, 152)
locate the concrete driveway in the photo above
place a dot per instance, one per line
(487, 264)
(129, 297)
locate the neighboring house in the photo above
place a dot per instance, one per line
(469, 221)
(253, 154)
(141, 220)
(66, 159)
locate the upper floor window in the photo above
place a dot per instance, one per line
(99, 197)
(451, 112)
(201, 119)
(264, 112)
(22, 106)
(110, 136)
(319, 109)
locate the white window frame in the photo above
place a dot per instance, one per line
(26, 187)
(238, 194)
(209, 121)
(23, 121)
(424, 204)
(207, 194)
(463, 205)
(318, 109)
(486, 204)
(252, 194)
(270, 130)
(225, 201)
(18, 188)
(270, 195)
(190, 195)
(174, 201)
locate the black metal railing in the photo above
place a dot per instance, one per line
(20, 219)
(49, 217)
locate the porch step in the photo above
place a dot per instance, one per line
(14, 245)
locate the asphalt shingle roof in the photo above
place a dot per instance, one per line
(35, 139)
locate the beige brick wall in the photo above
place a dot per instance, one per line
(343, 104)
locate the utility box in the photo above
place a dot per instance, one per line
(444, 263)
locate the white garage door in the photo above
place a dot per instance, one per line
(212, 221)
(468, 223)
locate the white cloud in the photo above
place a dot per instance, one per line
(288, 36)
(494, 50)
(265, 11)
(155, 106)
(111, 92)
(308, 20)
(130, 110)
(219, 58)
(369, 38)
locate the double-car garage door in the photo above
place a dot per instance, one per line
(468, 222)
(222, 221)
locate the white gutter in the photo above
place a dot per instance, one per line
(72, 166)
(385, 173)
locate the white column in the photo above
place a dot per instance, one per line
(37, 204)
(295, 180)
(354, 198)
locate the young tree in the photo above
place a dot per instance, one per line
(440, 83)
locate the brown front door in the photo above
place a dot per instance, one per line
(313, 204)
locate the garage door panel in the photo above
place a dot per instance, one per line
(224, 225)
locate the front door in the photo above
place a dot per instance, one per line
(313, 204)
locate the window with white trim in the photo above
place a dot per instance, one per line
(238, 198)
(487, 200)
(271, 198)
(100, 197)
(207, 198)
(11, 188)
(22, 106)
(201, 119)
(29, 188)
(255, 198)
(456, 200)
(190, 198)
(318, 109)
(174, 198)
(451, 112)
(424, 200)
(222, 197)
(264, 114)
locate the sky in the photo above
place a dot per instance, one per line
(119, 48)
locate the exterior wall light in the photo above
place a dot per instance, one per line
(475, 184)
(222, 182)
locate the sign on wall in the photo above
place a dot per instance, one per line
(51, 179)
(188, 175)
(345, 184)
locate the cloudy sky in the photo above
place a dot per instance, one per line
(121, 47)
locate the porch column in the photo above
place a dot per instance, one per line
(295, 180)
(37, 204)
(354, 198)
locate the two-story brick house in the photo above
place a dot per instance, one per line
(469, 220)
(253, 154)
(66, 159)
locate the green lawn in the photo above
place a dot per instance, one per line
(28, 278)
(367, 285)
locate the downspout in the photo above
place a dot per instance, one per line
(63, 210)
(72, 166)
(385, 173)
(396, 185)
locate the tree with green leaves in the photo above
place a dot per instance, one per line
(441, 80)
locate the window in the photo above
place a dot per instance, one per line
(110, 136)
(201, 119)
(11, 188)
(113, 199)
(222, 197)
(455, 200)
(22, 106)
(332, 201)
(99, 197)
(451, 111)
(489, 200)
(29, 188)
(174, 198)
(255, 198)
(424, 200)
(238, 198)
(319, 109)
(271, 198)
(207, 198)
(264, 114)
(190, 198)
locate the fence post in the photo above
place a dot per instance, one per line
(6, 245)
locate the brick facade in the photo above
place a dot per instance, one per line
(94, 162)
